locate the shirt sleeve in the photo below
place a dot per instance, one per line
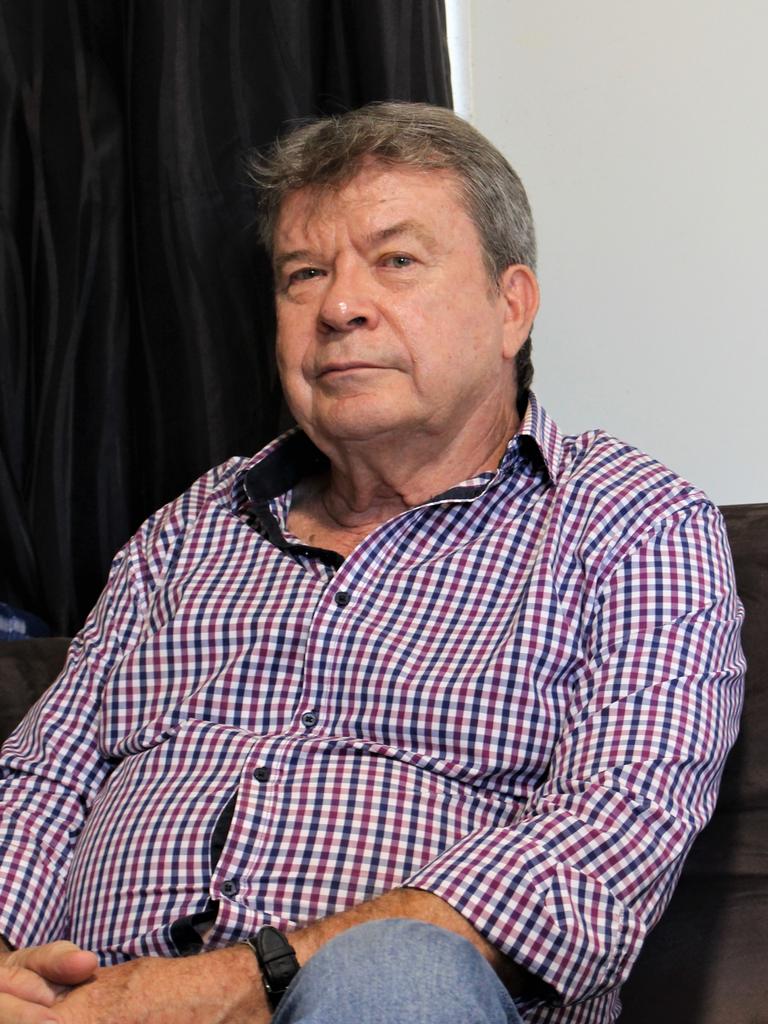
(51, 768)
(53, 765)
(571, 886)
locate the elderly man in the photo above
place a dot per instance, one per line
(414, 714)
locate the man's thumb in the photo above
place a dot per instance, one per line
(62, 963)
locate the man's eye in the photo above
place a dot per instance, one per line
(398, 261)
(303, 274)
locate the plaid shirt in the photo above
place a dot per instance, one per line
(517, 696)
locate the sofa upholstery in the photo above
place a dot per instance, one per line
(27, 667)
(707, 961)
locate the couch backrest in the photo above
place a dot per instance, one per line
(27, 668)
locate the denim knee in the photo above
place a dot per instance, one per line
(397, 970)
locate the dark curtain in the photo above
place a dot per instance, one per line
(136, 322)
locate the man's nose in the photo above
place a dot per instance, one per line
(348, 302)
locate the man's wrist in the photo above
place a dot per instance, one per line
(237, 973)
(251, 978)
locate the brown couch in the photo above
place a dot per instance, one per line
(707, 961)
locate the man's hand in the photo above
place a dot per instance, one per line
(223, 987)
(32, 979)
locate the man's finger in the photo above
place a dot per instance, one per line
(25, 984)
(62, 963)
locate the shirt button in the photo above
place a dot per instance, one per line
(342, 598)
(231, 887)
(262, 773)
(309, 719)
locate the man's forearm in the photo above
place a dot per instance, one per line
(4, 946)
(409, 903)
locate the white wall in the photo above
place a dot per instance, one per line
(641, 133)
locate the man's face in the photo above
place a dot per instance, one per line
(387, 320)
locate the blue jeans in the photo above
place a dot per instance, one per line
(397, 970)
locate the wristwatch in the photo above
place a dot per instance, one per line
(277, 960)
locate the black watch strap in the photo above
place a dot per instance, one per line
(277, 960)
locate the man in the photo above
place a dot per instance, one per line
(440, 694)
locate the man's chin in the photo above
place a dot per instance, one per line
(368, 424)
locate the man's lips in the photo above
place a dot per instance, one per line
(334, 368)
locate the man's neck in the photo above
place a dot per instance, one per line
(368, 484)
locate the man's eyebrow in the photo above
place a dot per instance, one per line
(403, 227)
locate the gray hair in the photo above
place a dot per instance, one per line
(329, 152)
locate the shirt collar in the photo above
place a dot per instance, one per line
(537, 440)
(281, 465)
(292, 457)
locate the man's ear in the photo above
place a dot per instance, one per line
(519, 291)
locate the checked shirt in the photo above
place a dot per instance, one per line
(517, 696)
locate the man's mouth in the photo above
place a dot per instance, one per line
(338, 368)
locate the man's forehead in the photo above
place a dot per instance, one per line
(390, 197)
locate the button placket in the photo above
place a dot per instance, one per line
(314, 686)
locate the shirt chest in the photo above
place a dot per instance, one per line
(456, 645)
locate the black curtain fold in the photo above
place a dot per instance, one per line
(136, 317)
